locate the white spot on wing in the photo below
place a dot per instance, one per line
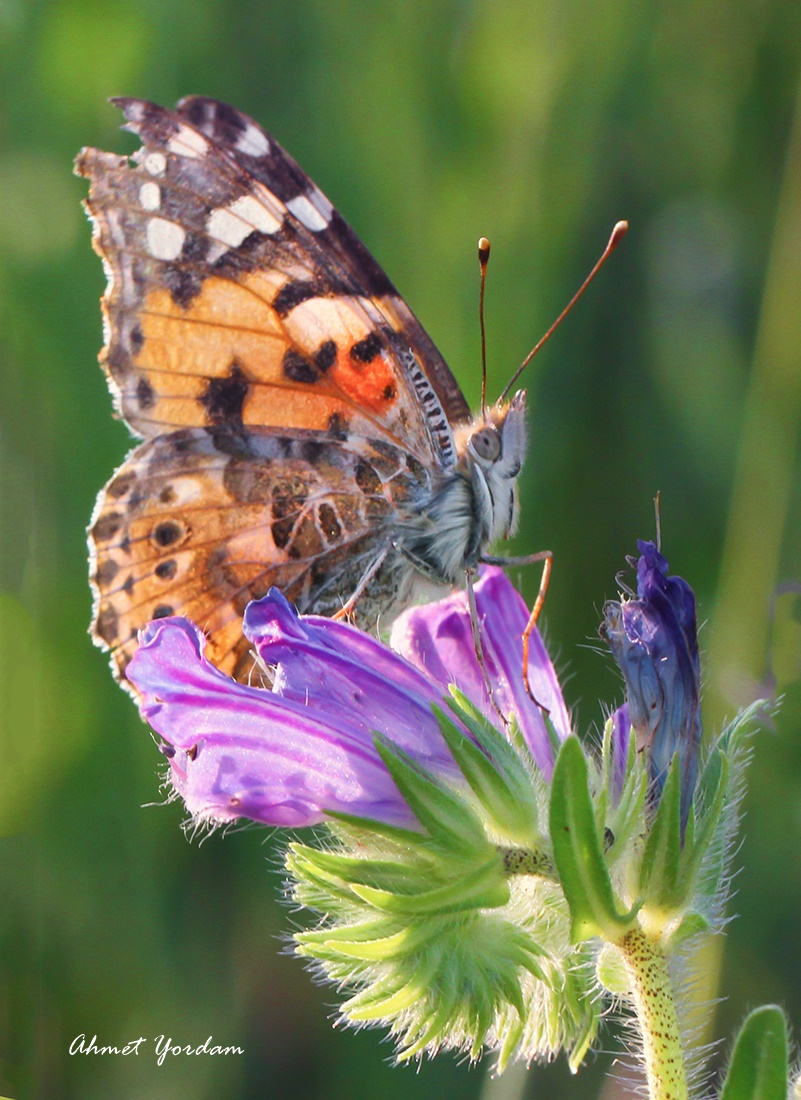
(321, 204)
(155, 164)
(229, 225)
(306, 213)
(185, 490)
(253, 142)
(164, 239)
(186, 142)
(150, 195)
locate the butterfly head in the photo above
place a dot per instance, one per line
(493, 450)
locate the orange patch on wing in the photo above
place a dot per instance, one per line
(370, 385)
(225, 321)
(303, 405)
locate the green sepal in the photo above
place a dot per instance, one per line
(330, 885)
(659, 870)
(401, 836)
(438, 1024)
(759, 1064)
(485, 779)
(383, 874)
(504, 757)
(709, 783)
(715, 787)
(694, 924)
(390, 945)
(372, 1005)
(512, 1033)
(486, 888)
(611, 971)
(447, 817)
(734, 738)
(578, 854)
(586, 1037)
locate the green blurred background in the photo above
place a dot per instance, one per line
(539, 125)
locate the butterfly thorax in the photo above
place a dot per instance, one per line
(475, 501)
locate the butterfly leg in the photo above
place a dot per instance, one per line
(469, 575)
(546, 557)
(366, 577)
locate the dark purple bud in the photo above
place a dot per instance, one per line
(654, 640)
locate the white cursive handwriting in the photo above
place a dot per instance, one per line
(163, 1045)
(79, 1045)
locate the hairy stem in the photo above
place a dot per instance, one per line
(655, 1009)
(527, 861)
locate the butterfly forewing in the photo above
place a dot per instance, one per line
(227, 303)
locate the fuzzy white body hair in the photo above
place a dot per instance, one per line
(475, 502)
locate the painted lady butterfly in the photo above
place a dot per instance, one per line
(300, 428)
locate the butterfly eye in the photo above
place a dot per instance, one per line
(486, 444)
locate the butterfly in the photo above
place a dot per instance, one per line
(299, 427)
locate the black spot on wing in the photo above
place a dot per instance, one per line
(297, 291)
(145, 395)
(107, 626)
(337, 427)
(184, 286)
(224, 397)
(297, 368)
(329, 523)
(326, 355)
(137, 338)
(293, 293)
(121, 484)
(195, 249)
(367, 349)
(106, 572)
(107, 527)
(167, 532)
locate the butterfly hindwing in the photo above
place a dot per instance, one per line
(198, 523)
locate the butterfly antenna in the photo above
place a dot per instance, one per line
(483, 260)
(618, 233)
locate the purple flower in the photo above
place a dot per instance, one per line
(438, 639)
(288, 755)
(654, 640)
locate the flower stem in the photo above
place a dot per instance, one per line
(527, 861)
(655, 1010)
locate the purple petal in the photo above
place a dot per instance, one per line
(337, 669)
(438, 639)
(621, 732)
(247, 752)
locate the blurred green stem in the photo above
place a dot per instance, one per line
(739, 634)
(766, 461)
